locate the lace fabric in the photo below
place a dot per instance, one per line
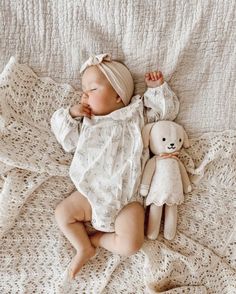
(34, 178)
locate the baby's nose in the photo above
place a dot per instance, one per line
(84, 96)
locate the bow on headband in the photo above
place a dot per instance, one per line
(95, 60)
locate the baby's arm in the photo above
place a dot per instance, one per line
(66, 129)
(160, 101)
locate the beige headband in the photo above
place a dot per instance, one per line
(116, 73)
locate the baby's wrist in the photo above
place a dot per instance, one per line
(72, 112)
(158, 84)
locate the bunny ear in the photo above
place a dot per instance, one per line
(186, 140)
(146, 134)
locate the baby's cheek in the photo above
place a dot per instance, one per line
(96, 104)
(100, 101)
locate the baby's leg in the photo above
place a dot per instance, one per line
(129, 232)
(70, 215)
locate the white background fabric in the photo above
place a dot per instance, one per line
(193, 43)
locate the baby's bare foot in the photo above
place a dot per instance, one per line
(95, 238)
(79, 260)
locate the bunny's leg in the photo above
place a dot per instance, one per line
(170, 221)
(154, 221)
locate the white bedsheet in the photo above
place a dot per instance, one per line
(194, 45)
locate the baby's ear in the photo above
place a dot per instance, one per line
(118, 99)
(146, 134)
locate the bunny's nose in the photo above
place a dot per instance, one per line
(172, 144)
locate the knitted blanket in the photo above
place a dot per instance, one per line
(192, 44)
(34, 178)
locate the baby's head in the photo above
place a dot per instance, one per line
(107, 85)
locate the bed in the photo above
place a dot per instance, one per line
(42, 45)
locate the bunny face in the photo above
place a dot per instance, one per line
(165, 137)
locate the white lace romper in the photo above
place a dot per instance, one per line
(107, 163)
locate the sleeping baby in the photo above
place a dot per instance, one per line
(104, 133)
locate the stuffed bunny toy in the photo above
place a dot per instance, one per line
(164, 179)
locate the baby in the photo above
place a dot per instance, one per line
(104, 132)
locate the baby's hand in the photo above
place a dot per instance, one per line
(154, 79)
(80, 109)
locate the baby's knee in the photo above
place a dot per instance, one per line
(131, 246)
(61, 214)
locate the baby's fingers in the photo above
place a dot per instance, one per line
(147, 76)
(86, 110)
(152, 75)
(157, 75)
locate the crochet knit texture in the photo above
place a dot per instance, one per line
(35, 255)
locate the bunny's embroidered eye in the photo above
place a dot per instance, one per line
(163, 139)
(180, 140)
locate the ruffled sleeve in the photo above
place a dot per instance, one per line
(160, 103)
(66, 129)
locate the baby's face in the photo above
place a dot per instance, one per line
(98, 92)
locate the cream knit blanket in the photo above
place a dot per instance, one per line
(34, 178)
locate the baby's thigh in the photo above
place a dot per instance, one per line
(74, 208)
(130, 221)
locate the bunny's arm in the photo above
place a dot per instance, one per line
(185, 178)
(147, 176)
